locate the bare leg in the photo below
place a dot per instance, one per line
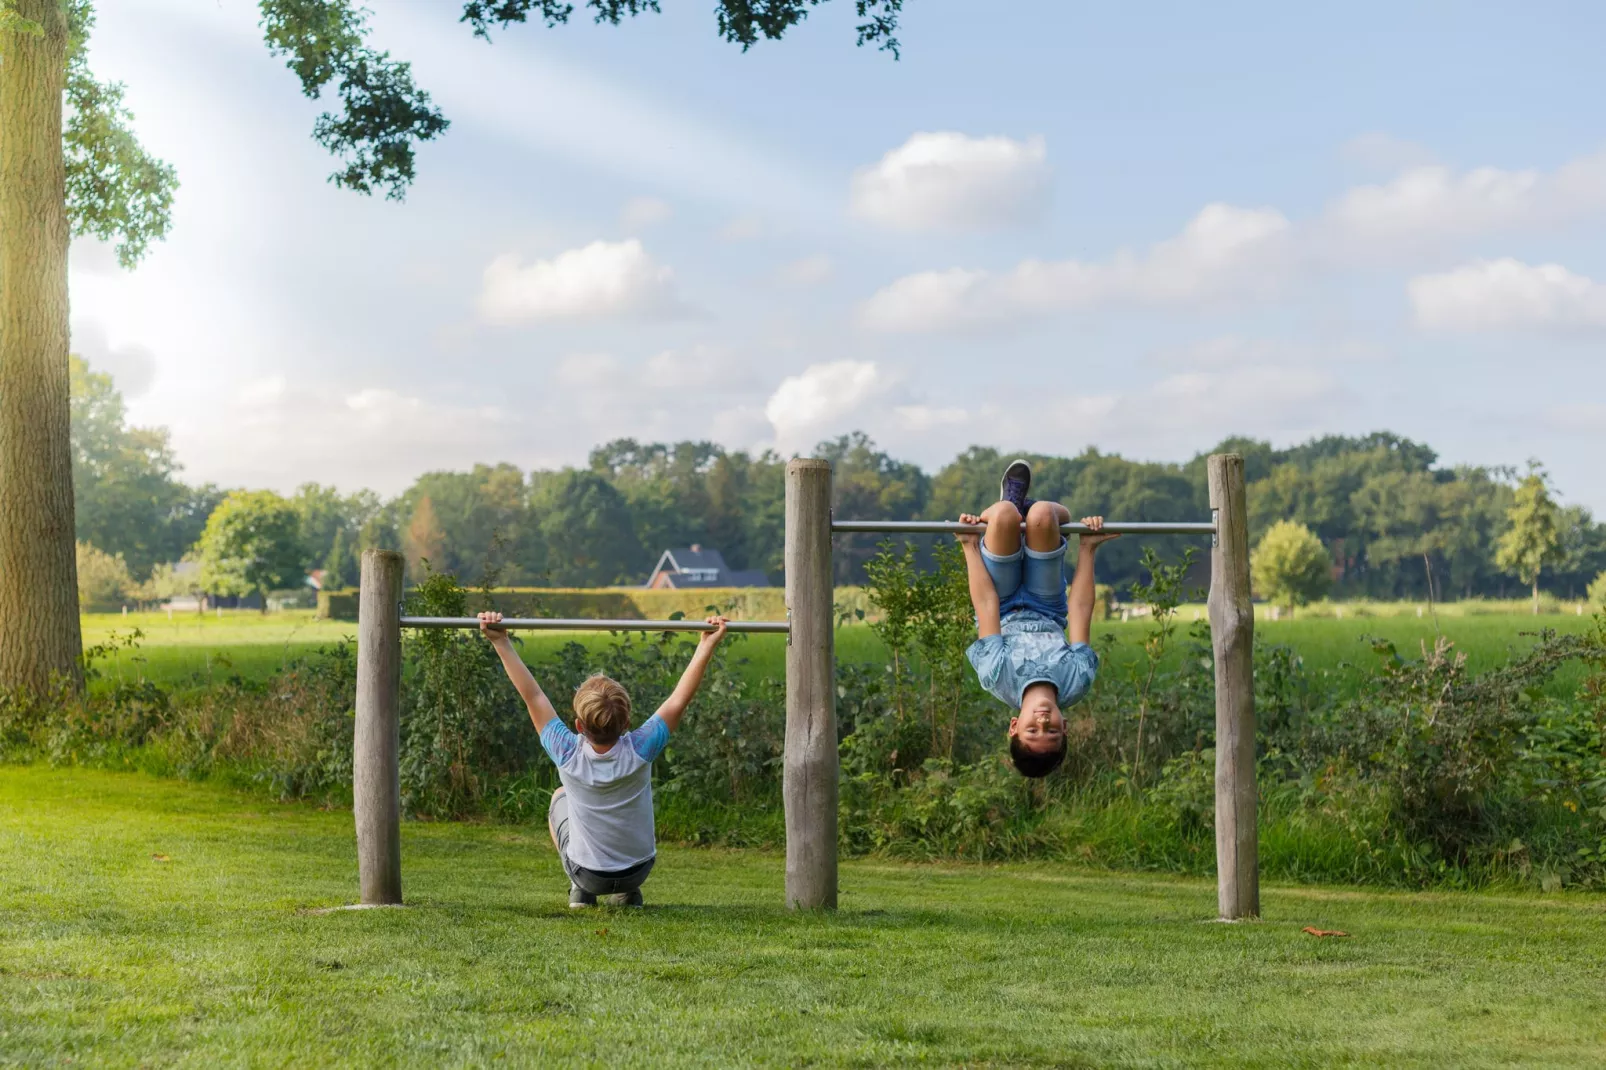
(550, 831)
(1003, 529)
(1043, 525)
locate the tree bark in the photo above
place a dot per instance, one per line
(39, 633)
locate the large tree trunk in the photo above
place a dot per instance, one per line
(39, 636)
(1536, 595)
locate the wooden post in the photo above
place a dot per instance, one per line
(809, 782)
(1232, 633)
(375, 766)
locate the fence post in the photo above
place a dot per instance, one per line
(1232, 633)
(376, 748)
(809, 781)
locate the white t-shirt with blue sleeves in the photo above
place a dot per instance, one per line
(610, 795)
(1031, 649)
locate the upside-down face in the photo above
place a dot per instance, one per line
(1040, 726)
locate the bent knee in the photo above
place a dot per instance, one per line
(1043, 516)
(1003, 513)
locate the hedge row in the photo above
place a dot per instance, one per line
(616, 603)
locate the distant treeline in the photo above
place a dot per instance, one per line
(1389, 514)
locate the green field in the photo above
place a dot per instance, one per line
(153, 922)
(195, 650)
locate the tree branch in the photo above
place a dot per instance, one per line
(383, 113)
(116, 191)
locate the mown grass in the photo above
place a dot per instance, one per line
(151, 922)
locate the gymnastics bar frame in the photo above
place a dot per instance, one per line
(810, 764)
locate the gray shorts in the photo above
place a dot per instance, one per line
(590, 880)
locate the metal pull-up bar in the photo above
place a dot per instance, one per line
(940, 527)
(554, 624)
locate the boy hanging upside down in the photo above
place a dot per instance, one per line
(1022, 656)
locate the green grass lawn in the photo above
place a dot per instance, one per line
(150, 922)
(195, 650)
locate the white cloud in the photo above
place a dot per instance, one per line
(921, 418)
(1435, 204)
(949, 181)
(603, 279)
(132, 366)
(823, 398)
(1585, 417)
(809, 271)
(1508, 294)
(1377, 151)
(1228, 253)
(641, 212)
(742, 228)
(1236, 351)
(586, 370)
(275, 432)
(1224, 252)
(700, 391)
(1177, 414)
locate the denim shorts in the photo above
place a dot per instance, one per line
(1030, 579)
(593, 881)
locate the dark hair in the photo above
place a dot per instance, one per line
(1034, 764)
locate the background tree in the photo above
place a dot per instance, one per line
(424, 543)
(1581, 550)
(1597, 592)
(128, 500)
(1533, 540)
(252, 545)
(339, 564)
(103, 579)
(167, 582)
(484, 523)
(89, 175)
(1290, 566)
(867, 482)
(585, 526)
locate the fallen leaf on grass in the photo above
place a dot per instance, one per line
(602, 932)
(1323, 932)
(160, 858)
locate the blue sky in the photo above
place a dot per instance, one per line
(1051, 225)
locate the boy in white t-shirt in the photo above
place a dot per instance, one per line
(601, 819)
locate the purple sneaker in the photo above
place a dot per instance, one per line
(1016, 482)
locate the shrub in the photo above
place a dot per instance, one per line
(1597, 592)
(103, 579)
(1290, 566)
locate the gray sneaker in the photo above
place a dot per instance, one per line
(1016, 482)
(579, 897)
(632, 899)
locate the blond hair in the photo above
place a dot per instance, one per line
(602, 709)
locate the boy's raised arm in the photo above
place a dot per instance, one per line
(535, 700)
(690, 680)
(983, 595)
(1083, 593)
